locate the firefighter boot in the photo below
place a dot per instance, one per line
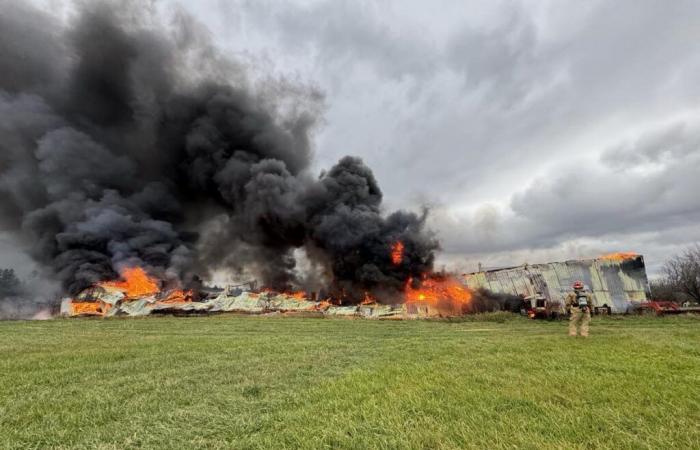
(585, 321)
(574, 320)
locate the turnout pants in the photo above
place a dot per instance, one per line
(579, 318)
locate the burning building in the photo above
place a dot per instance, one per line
(126, 148)
(617, 281)
(139, 294)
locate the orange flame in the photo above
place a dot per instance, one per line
(324, 305)
(297, 295)
(446, 294)
(136, 283)
(397, 253)
(368, 299)
(619, 256)
(178, 296)
(87, 308)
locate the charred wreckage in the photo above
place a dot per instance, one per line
(617, 284)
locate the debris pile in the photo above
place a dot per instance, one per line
(139, 294)
(108, 303)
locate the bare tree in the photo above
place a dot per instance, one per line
(683, 271)
(663, 289)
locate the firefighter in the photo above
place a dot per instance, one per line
(579, 303)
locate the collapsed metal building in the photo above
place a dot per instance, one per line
(616, 282)
(107, 301)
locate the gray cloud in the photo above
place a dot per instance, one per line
(638, 193)
(485, 99)
(591, 200)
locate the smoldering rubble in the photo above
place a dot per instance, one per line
(113, 301)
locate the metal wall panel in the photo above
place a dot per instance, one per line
(615, 283)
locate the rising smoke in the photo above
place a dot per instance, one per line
(124, 141)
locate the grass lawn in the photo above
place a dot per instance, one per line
(279, 382)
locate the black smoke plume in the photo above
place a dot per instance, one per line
(484, 300)
(124, 141)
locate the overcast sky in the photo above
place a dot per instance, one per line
(536, 130)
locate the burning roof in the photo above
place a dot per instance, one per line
(619, 256)
(251, 303)
(138, 293)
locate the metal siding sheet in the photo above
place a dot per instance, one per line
(553, 287)
(517, 281)
(507, 282)
(563, 276)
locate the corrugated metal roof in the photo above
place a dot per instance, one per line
(615, 283)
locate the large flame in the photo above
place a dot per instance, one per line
(397, 253)
(619, 256)
(136, 283)
(86, 308)
(443, 293)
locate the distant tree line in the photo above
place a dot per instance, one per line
(681, 278)
(10, 285)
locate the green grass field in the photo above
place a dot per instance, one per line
(280, 382)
